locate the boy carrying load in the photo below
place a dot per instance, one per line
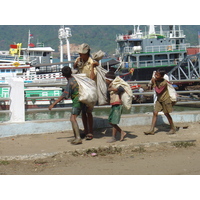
(163, 102)
(116, 109)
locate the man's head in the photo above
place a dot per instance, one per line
(66, 71)
(84, 48)
(84, 51)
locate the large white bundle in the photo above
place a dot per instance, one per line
(127, 96)
(87, 90)
(98, 55)
(172, 92)
(101, 86)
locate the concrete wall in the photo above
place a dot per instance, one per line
(51, 126)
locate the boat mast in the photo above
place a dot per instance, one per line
(29, 41)
(60, 37)
(64, 33)
(161, 31)
(151, 29)
(134, 30)
(67, 35)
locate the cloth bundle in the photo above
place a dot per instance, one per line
(101, 86)
(98, 55)
(172, 92)
(127, 96)
(87, 90)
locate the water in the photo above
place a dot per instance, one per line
(65, 114)
(98, 112)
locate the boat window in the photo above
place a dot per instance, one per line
(3, 71)
(8, 70)
(145, 58)
(56, 93)
(44, 54)
(13, 70)
(161, 56)
(44, 94)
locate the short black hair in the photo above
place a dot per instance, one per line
(162, 72)
(66, 71)
(110, 75)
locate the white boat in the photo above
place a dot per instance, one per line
(22, 61)
(27, 63)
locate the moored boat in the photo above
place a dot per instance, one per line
(144, 52)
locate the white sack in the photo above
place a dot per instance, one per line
(172, 92)
(101, 86)
(98, 55)
(87, 89)
(127, 96)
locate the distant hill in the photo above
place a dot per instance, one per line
(97, 36)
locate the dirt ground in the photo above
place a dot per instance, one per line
(162, 160)
(122, 158)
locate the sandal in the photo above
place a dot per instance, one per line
(71, 140)
(76, 141)
(89, 136)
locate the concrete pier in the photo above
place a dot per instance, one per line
(53, 126)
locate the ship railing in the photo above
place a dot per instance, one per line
(17, 106)
(6, 57)
(159, 48)
(167, 48)
(165, 34)
(51, 77)
(150, 63)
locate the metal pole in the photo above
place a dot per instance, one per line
(28, 44)
(199, 40)
(68, 52)
(67, 35)
(29, 38)
(61, 52)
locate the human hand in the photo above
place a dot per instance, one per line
(94, 64)
(112, 89)
(153, 80)
(173, 103)
(51, 106)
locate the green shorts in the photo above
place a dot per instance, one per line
(76, 111)
(165, 106)
(115, 114)
(76, 106)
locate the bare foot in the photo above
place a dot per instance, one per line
(171, 132)
(123, 134)
(76, 141)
